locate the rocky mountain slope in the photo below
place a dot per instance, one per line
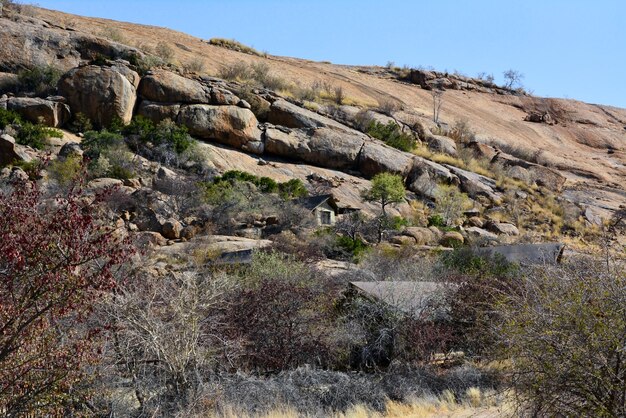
(574, 149)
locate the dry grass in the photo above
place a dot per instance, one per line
(234, 45)
(475, 403)
(473, 165)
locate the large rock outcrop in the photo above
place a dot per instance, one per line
(325, 147)
(29, 42)
(292, 116)
(102, 93)
(424, 176)
(475, 184)
(231, 125)
(51, 113)
(376, 157)
(168, 87)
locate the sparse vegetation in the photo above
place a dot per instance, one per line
(32, 135)
(39, 80)
(234, 46)
(512, 79)
(437, 96)
(450, 203)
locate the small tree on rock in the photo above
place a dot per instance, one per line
(387, 189)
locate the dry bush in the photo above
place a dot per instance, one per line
(461, 132)
(113, 34)
(388, 107)
(234, 46)
(311, 392)
(196, 65)
(164, 340)
(164, 51)
(564, 332)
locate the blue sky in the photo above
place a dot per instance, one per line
(565, 48)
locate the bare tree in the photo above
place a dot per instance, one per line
(513, 78)
(437, 103)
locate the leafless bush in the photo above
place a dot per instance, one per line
(338, 95)
(437, 96)
(196, 65)
(164, 51)
(388, 107)
(323, 393)
(164, 339)
(236, 71)
(564, 331)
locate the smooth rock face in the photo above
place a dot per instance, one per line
(101, 93)
(475, 184)
(156, 112)
(229, 125)
(10, 151)
(28, 42)
(543, 176)
(442, 144)
(422, 236)
(324, 147)
(288, 114)
(502, 228)
(376, 157)
(51, 113)
(167, 87)
(451, 239)
(477, 232)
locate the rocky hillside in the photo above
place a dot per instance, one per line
(289, 118)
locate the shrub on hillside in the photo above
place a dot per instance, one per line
(564, 332)
(450, 203)
(392, 135)
(27, 133)
(108, 154)
(234, 46)
(479, 284)
(40, 80)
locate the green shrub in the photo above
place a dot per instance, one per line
(65, 170)
(40, 80)
(436, 220)
(9, 117)
(28, 133)
(398, 222)
(450, 203)
(34, 135)
(466, 261)
(81, 123)
(95, 142)
(392, 135)
(165, 132)
(109, 155)
(293, 188)
(356, 247)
